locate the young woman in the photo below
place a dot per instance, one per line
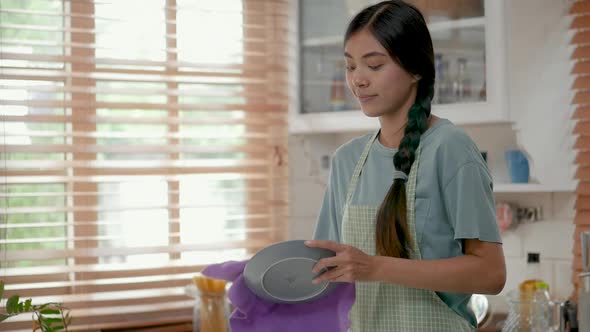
(409, 209)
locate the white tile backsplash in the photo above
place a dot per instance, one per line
(562, 279)
(553, 239)
(564, 206)
(516, 272)
(512, 244)
(306, 196)
(301, 228)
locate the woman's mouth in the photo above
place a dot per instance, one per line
(366, 98)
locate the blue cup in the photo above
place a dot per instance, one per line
(518, 166)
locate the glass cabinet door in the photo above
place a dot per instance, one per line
(458, 32)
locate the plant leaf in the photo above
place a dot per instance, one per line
(58, 328)
(12, 304)
(51, 321)
(1, 288)
(49, 312)
(42, 306)
(4, 317)
(28, 304)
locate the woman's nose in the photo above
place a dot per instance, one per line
(360, 81)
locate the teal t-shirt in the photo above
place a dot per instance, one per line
(454, 195)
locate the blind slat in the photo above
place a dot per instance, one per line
(204, 93)
(581, 97)
(82, 224)
(581, 67)
(194, 69)
(250, 121)
(111, 75)
(135, 148)
(581, 22)
(581, 38)
(582, 82)
(583, 158)
(148, 106)
(138, 177)
(116, 251)
(57, 209)
(582, 128)
(580, 7)
(250, 190)
(582, 112)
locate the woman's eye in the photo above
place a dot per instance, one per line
(375, 67)
(349, 68)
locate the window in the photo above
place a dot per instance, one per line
(137, 149)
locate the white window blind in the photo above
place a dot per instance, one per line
(141, 140)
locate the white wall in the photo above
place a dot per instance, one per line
(539, 69)
(540, 104)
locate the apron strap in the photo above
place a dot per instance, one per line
(358, 168)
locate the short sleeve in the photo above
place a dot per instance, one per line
(469, 202)
(328, 223)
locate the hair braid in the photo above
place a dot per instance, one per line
(392, 234)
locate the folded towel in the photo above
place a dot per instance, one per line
(326, 314)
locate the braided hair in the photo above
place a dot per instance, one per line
(402, 30)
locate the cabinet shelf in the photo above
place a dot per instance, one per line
(433, 27)
(468, 113)
(533, 188)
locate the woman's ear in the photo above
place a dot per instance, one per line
(416, 78)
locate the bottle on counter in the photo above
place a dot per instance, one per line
(438, 72)
(542, 309)
(461, 83)
(338, 88)
(483, 92)
(443, 83)
(528, 288)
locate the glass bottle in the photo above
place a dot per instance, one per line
(483, 92)
(438, 72)
(443, 88)
(461, 84)
(211, 312)
(542, 309)
(338, 88)
(527, 289)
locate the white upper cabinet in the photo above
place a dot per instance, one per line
(470, 59)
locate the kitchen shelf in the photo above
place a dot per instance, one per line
(480, 40)
(355, 120)
(433, 28)
(533, 188)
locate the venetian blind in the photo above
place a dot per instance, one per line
(581, 71)
(141, 141)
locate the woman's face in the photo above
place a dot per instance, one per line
(379, 83)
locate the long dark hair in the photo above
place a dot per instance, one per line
(402, 30)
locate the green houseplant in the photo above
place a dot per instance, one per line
(47, 317)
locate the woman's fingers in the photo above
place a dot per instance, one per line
(325, 244)
(325, 263)
(332, 275)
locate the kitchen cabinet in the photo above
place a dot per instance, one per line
(469, 43)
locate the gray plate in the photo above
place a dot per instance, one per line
(281, 273)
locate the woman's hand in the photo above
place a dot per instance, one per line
(349, 265)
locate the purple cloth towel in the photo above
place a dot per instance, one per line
(326, 314)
